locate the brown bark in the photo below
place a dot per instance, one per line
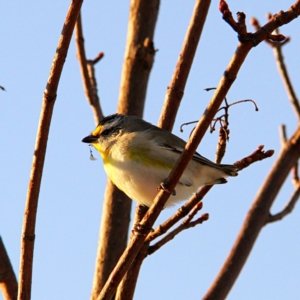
(87, 73)
(167, 119)
(176, 88)
(138, 60)
(8, 280)
(28, 230)
(139, 56)
(256, 218)
(225, 83)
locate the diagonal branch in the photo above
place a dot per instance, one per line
(28, 230)
(186, 224)
(256, 219)
(8, 280)
(176, 88)
(200, 194)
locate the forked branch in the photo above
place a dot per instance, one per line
(281, 66)
(137, 240)
(88, 73)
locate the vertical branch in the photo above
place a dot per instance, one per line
(115, 216)
(127, 286)
(256, 218)
(176, 88)
(87, 73)
(28, 230)
(139, 56)
(138, 60)
(167, 119)
(8, 280)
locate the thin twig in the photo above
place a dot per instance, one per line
(176, 231)
(282, 135)
(295, 174)
(288, 207)
(28, 230)
(88, 73)
(279, 58)
(8, 280)
(257, 155)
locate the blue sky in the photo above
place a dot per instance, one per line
(72, 188)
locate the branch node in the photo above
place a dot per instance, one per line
(227, 75)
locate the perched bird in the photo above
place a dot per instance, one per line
(139, 156)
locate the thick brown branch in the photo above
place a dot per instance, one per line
(28, 230)
(139, 57)
(168, 114)
(288, 208)
(88, 73)
(176, 88)
(8, 280)
(257, 217)
(115, 216)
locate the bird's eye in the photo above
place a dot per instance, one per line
(106, 132)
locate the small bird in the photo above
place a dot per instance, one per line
(138, 157)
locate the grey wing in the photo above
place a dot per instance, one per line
(167, 140)
(231, 170)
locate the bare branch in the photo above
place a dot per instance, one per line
(8, 280)
(295, 174)
(176, 88)
(279, 58)
(168, 114)
(288, 207)
(138, 60)
(115, 216)
(174, 232)
(226, 81)
(88, 73)
(255, 219)
(28, 230)
(139, 57)
(265, 32)
(282, 135)
(257, 155)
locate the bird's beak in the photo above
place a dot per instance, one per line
(90, 139)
